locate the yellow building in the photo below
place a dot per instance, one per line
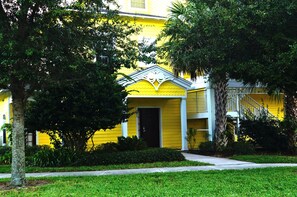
(5, 115)
(165, 106)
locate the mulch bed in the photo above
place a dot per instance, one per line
(30, 184)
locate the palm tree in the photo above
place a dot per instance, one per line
(201, 37)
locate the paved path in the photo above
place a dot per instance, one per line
(217, 161)
(218, 164)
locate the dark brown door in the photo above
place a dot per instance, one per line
(149, 126)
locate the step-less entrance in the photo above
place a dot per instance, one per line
(149, 126)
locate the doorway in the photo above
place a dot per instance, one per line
(149, 126)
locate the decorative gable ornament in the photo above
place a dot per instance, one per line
(156, 76)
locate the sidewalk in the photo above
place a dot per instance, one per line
(218, 164)
(217, 161)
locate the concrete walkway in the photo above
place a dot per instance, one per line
(218, 164)
(217, 161)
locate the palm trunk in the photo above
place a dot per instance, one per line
(290, 101)
(18, 143)
(220, 89)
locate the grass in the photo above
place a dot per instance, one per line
(253, 182)
(7, 169)
(266, 158)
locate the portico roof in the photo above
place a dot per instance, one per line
(156, 76)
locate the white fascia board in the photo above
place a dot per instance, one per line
(145, 16)
(197, 115)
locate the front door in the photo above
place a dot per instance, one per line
(149, 126)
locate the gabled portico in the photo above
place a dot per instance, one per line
(158, 101)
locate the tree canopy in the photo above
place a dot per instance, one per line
(253, 41)
(43, 42)
(71, 113)
(271, 37)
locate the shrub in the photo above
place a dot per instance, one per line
(123, 144)
(5, 155)
(130, 143)
(191, 138)
(108, 147)
(66, 157)
(32, 150)
(265, 132)
(289, 128)
(239, 148)
(56, 158)
(142, 156)
(207, 148)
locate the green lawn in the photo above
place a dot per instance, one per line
(255, 182)
(6, 168)
(266, 158)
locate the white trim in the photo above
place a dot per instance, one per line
(164, 97)
(197, 115)
(146, 73)
(211, 111)
(37, 139)
(124, 129)
(8, 109)
(160, 122)
(183, 116)
(146, 16)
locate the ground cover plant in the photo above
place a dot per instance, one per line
(253, 182)
(7, 168)
(127, 150)
(266, 158)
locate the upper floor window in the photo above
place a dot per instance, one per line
(138, 4)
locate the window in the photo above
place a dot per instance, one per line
(138, 4)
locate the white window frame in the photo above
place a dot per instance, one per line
(145, 5)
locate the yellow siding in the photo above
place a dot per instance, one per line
(196, 102)
(5, 108)
(275, 106)
(170, 119)
(99, 137)
(43, 139)
(110, 135)
(202, 133)
(144, 88)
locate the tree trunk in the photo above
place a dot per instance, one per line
(220, 89)
(18, 142)
(290, 102)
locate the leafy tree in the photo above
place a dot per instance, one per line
(42, 42)
(271, 36)
(75, 111)
(204, 37)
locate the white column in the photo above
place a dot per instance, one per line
(210, 111)
(124, 129)
(1, 132)
(124, 123)
(238, 111)
(36, 137)
(183, 116)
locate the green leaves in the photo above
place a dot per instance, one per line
(203, 36)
